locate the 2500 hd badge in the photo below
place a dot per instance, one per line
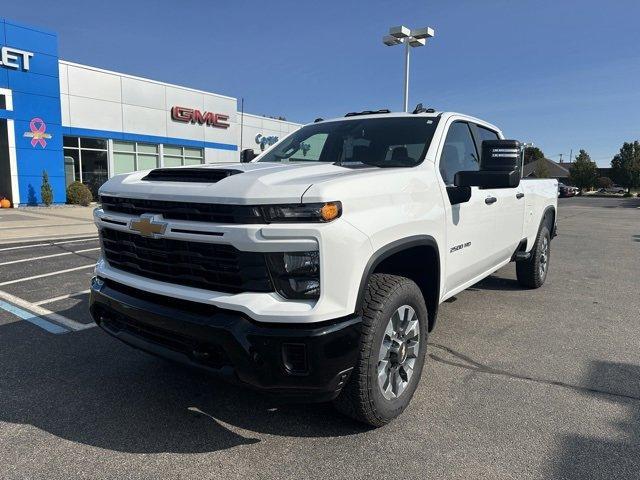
(460, 247)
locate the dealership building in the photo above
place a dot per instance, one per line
(83, 123)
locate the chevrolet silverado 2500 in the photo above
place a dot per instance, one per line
(315, 271)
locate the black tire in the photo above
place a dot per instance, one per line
(529, 272)
(363, 398)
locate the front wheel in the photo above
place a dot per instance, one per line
(532, 273)
(392, 351)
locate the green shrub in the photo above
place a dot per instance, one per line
(627, 194)
(45, 189)
(79, 194)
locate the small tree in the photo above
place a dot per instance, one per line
(542, 169)
(531, 154)
(604, 182)
(584, 171)
(626, 166)
(45, 189)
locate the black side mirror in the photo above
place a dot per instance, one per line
(458, 194)
(247, 155)
(499, 166)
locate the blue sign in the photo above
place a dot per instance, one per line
(29, 69)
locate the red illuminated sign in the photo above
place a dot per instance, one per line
(191, 115)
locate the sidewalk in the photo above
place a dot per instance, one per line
(42, 223)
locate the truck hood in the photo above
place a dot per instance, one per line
(258, 183)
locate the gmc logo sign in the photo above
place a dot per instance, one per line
(190, 115)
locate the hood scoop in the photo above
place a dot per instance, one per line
(192, 175)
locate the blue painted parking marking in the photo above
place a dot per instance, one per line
(32, 318)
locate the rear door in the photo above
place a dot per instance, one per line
(509, 205)
(470, 226)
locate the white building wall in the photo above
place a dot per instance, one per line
(97, 99)
(254, 125)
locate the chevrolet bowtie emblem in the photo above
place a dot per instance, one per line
(148, 225)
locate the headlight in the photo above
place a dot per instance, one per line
(296, 275)
(304, 212)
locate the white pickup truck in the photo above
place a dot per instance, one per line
(315, 270)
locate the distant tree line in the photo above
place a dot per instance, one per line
(583, 172)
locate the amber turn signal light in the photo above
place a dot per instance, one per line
(330, 211)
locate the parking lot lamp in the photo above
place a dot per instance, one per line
(410, 38)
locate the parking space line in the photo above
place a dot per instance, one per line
(42, 275)
(43, 257)
(43, 313)
(61, 297)
(48, 244)
(31, 318)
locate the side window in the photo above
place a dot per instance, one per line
(459, 152)
(486, 134)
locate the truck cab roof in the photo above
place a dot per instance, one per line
(431, 114)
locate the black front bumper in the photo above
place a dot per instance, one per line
(310, 362)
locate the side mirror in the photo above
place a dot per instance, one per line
(458, 194)
(499, 166)
(247, 155)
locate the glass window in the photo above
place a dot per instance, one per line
(486, 134)
(172, 161)
(147, 148)
(3, 102)
(123, 162)
(94, 169)
(124, 146)
(72, 165)
(132, 156)
(193, 152)
(169, 150)
(380, 142)
(177, 156)
(459, 152)
(147, 162)
(70, 141)
(310, 149)
(86, 161)
(94, 143)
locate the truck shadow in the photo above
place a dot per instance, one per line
(493, 282)
(89, 388)
(597, 455)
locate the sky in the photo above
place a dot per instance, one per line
(562, 74)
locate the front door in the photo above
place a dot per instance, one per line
(5, 159)
(470, 226)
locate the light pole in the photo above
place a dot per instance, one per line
(410, 38)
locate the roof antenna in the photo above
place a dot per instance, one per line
(419, 109)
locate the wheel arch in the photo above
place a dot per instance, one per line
(549, 215)
(417, 258)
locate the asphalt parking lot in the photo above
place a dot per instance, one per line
(520, 384)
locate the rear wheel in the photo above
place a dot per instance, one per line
(532, 272)
(392, 350)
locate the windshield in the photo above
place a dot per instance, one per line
(380, 142)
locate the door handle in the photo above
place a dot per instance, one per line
(519, 195)
(490, 200)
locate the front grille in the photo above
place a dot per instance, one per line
(192, 175)
(209, 266)
(199, 212)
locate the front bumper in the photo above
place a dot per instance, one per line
(310, 362)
